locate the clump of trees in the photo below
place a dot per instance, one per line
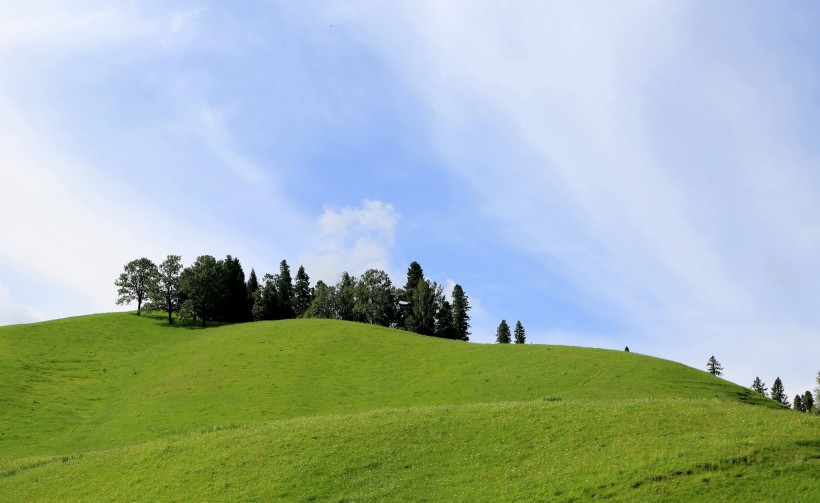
(216, 290)
(503, 335)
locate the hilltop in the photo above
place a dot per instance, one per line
(125, 407)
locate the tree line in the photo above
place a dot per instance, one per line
(216, 290)
(802, 403)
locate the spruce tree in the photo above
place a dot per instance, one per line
(520, 337)
(284, 293)
(808, 401)
(302, 293)
(135, 282)
(234, 301)
(414, 274)
(714, 367)
(779, 392)
(444, 321)
(461, 319)
(759, 386)
(252, 286)
(502, 335)
(165, 293)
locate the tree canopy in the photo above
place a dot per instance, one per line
(135, 282)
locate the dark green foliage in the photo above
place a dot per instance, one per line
(425, 306)
(284, 293)
(759, 386)
(798, 403)
(234, 305)
(346, 298)
(252, 286)
(713, 366)
(265, 300)
(136, 282)
(444, 321)
(303, 294)
(502, 335)
(808, 401)
(520, 337)
(375, 298)
(164, 293)
(779, 392)
(461, 318)
(202, 286)
(414, 274)
(324, 302)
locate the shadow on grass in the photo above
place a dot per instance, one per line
(161, 318)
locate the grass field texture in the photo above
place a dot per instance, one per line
(119, 407)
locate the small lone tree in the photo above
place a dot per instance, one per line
(520, 337)
(502, 335)
(714, 367)
(779, 392)
(136, 282)
(759, 386)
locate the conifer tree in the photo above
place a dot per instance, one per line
(252, 286)
(502, 335)
(444, 321)
(284, 293)
(135, 282)
(714, 367)
(414, 274)
(779, 392)
(798, 403)
(759, 386)
(265, 300)
(808, 401)
(302, 293)
(234, 302)
(520, 337)
(165, 293)
(461, 318)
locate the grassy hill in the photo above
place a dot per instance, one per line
(119, 407)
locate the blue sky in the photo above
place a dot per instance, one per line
(611, 174)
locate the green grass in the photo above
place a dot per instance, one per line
(119, 407)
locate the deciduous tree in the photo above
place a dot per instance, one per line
(165, 292)
(346, 298)
(502, 335)
(808, 401)
(375, 298)
(202, 286)
(135, 282)
(323, 304)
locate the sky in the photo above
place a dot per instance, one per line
(611, 174)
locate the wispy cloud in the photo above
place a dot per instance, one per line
(352, 239)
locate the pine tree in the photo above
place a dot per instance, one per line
(779, 392)
(808, 401)
(759, 386)
(284, 293)
(252, 286)
(461, 319)
(520, 337)
(234, 303)
(444, 321)
(415, 274)
(165, 293)
(502, 335)
(135, 282)
(302, 292)
(714, 367)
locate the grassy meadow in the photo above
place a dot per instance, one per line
(117, 407)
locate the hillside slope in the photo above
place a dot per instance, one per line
(332, 409)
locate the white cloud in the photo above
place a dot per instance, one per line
(352, 239)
